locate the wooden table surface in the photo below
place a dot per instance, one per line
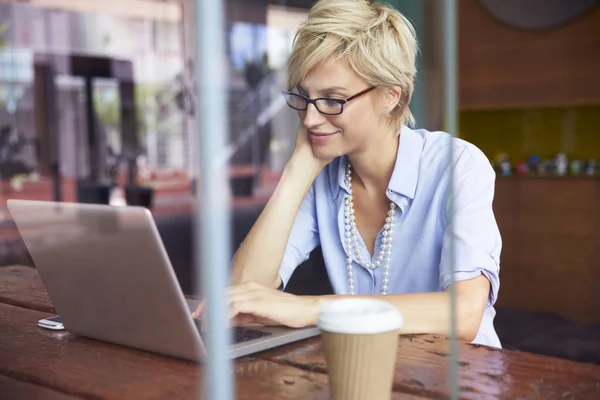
(40, 364)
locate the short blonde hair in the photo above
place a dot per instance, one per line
(374, 40)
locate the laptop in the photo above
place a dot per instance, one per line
(109, 277)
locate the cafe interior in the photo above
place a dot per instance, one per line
(99, 104)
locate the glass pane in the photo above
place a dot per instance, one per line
(19, 162)
(72, 123)
(261, 143)
(478, 144)
(538, 128)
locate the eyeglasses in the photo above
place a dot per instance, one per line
(324, 105)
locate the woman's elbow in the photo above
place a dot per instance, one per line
(467, 331)
(469, 319)
(471, 302)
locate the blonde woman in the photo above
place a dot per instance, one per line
(371, 191)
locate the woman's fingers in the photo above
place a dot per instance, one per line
(198, 310)
(248, 303)
(236, 294)
(245, 319)
(245, 306)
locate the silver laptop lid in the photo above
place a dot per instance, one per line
(108, 274)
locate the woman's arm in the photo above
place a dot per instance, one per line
(259, 257)
(421, 312)
(431, 312)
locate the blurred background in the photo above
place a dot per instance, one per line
(97, 105)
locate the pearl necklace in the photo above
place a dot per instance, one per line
(385, 251)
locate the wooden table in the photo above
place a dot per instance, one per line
(42, 364)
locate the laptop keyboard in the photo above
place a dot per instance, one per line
(240, 333)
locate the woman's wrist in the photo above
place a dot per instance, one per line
(315, 303)
(300, 173)
(304, 162)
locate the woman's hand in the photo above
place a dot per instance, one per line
(253, 303)
(303, 152)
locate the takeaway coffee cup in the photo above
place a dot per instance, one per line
(360, 338)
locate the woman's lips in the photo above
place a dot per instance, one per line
(320, 137)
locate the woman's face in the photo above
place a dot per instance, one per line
(359, 123)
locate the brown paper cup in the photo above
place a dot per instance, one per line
(361, 367)
(360, 348)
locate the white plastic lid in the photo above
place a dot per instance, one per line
(360, 316)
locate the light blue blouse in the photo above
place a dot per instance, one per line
(430, 217)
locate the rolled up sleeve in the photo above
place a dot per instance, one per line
(472, 243)
(303, 239)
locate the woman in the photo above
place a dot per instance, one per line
(371, 191)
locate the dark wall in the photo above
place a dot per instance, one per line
(253, 11)
(294, 3)
(310, 278)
